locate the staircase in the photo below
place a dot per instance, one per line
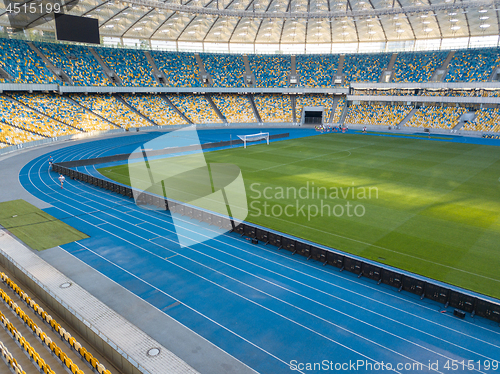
(495, 75)
(59, 73)
(408, 117)
(249, 76)
(441, 73)
(254, 108)
(112, 76)
(343, 115)
(215, 108)
(387, 73)
(340, 66)
(293, 98)
(466, 117)
(5, 75)
(338, 78)
(167, 100)
(159, 75)
(205, 78)
(293, 79)
(336, 100)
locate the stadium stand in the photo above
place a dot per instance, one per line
(13, 135)
(236, 108)
(377, 114)
(225, 70)
(62, 109)
(18, 115)
(274, 108)
(77, 62)
(364, 67)
(270, 71)
(196, 108)
(436, 117)
(417, 66)
(473, 65)
(314, 101)
(316, 70)
(338, 110)
(155, 108)
(180, 69)
(131, 66)
(111, 109)
(51, 323)
(23, 64)
(487, 120)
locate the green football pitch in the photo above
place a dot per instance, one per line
(429, 207)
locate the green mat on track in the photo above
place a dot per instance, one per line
(37, 229)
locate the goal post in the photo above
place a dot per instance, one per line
(254, 138)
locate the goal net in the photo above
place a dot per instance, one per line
(254, 138)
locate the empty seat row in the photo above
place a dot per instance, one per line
(63, 109)
(437, 117)
(377, 114)
(274, 108)
(155, 108)
(235, 108)
(11, 361)
(47, 318)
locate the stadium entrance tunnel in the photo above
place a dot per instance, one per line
(313, 117)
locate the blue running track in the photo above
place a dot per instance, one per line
(273, 311)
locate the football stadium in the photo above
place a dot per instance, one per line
(249, 186)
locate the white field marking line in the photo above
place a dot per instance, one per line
(377, 289)
(387, 249)
(141, 211)
(360, 295)
(310, 158)
(251, 301)
(287, 303)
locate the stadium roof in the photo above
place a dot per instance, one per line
(284, 22)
